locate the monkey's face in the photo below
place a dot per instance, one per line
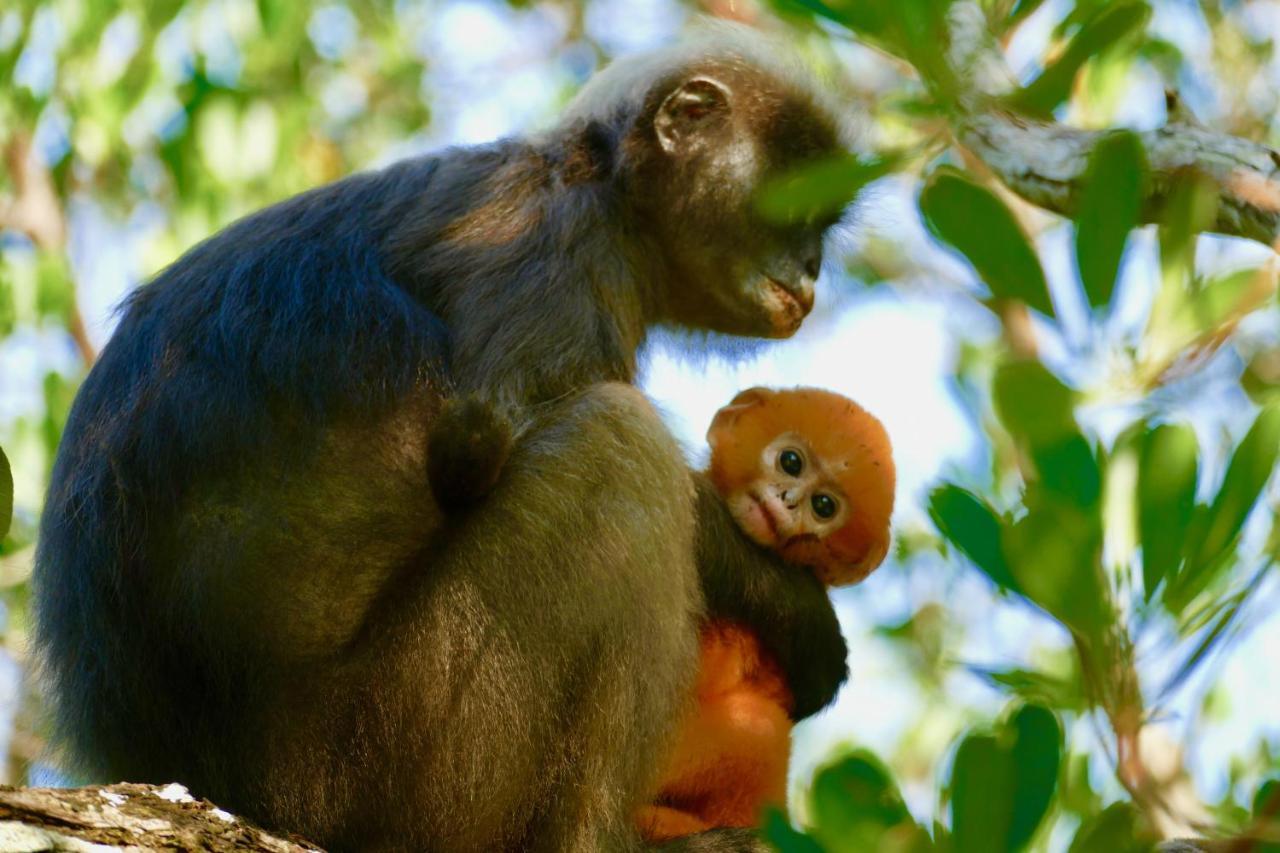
(717, 135)
(809, 474)
(792, 497)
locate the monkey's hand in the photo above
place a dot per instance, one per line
(786, 606)
(467, 448)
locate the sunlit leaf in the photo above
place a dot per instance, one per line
(1109, 210)
(973, 527)
(819, 190)
(1032, 404)
(6, 494)
(1166, 494)
(1111, 24)
(1251, 466)
(972, 220)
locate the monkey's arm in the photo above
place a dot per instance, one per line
(785, 605)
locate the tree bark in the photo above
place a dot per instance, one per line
(127, 817)
(1047, 163)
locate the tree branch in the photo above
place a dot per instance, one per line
(1047, 163)
(128, 817)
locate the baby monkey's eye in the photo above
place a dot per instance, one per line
(790, 462)
(824, 506)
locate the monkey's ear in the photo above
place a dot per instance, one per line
(688, 110)
(729, 415)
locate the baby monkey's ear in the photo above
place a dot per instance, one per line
(744, 402)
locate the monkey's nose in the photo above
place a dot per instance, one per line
(813, 267)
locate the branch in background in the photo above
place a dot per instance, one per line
(36, 212)
(1046, 163)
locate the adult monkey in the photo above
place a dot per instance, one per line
(243, 581)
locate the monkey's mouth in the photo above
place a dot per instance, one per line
(760, 523)
(787, 305)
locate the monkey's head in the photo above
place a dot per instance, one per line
(696, 131)
(809, 474)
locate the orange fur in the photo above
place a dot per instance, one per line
(852, 443)
(731, 753)
(732, 750)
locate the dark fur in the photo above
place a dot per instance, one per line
(243, 581)
(467, 446)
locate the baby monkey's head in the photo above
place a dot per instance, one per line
(809, 474)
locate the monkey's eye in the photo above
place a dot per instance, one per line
(824, 506)
(790, 462)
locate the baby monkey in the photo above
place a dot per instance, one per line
(808, 474)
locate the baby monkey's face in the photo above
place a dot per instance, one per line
(793, 501)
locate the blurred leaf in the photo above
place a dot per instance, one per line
(1112, 23)
(982, 783)
(1261, 377)
(1191, 208)
(975, 222)
(1054, 553)
(1223, 620)
(1068, 469)
(1250, 468)
(1109, 210)
(973, 527)
(855, 806)
(819, 190)
(1166, 494)
(1032, 404)
(779, 832)
(1266, 817)
(8, 308)
(1064, 694)
(1114, 829)
(1002, 784)
(55, 294)
(6, 495)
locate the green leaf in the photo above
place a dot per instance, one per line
(6, 495)
(1250, 468)
(1032, 404)
(1167, 472)
(977, 224)
(1112, 23)
(1114, 829)
(818, 190)
(1266, 817)
(1030, 685)
(982, 781)
(1067, 469)
(1037, 751)
(1054, 553)
(1109, 210)
(779, 832)
(972, 526)
(1002, 784)
(855, 806)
